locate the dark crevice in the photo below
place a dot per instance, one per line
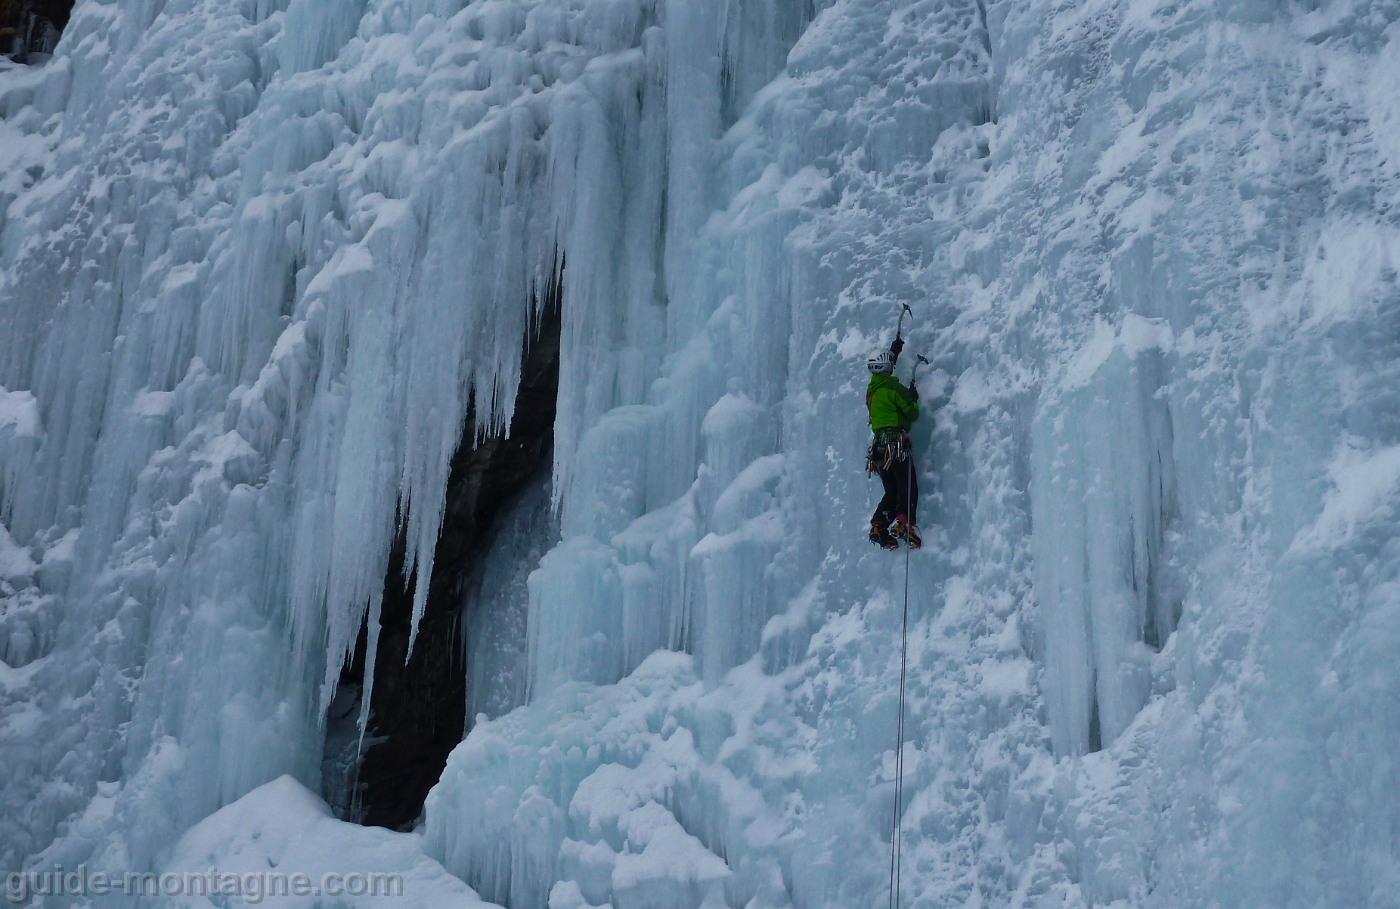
(29, 29)
(418, 707)
(1095, 730)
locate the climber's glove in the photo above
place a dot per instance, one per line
(897, 346)
(913, 392)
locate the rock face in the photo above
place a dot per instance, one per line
(418, 701)
(30, 27)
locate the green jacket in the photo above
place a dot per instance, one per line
(890, 405)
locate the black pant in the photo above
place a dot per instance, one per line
(901, 492)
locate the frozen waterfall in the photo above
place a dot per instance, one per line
(266, 265)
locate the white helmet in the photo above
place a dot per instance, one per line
(881, 362)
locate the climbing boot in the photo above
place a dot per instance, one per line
(901, 529)
(880, 536)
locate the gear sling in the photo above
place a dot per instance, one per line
(889, 456)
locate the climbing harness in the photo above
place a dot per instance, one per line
(896, 843)
(891, 446)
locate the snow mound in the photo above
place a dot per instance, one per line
(283, 827)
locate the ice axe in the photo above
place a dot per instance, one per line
(914, 376)
(899, 327)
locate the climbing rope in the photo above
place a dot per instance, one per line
(895, 839)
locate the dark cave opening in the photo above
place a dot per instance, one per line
(417, 711)
(30, 29)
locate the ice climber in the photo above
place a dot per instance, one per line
(893, 410)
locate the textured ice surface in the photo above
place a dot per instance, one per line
(283, 826)
(260, 257)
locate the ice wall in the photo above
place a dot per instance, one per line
(256, 260)
(1114, 221)
(1105, 482)
(310, 237)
